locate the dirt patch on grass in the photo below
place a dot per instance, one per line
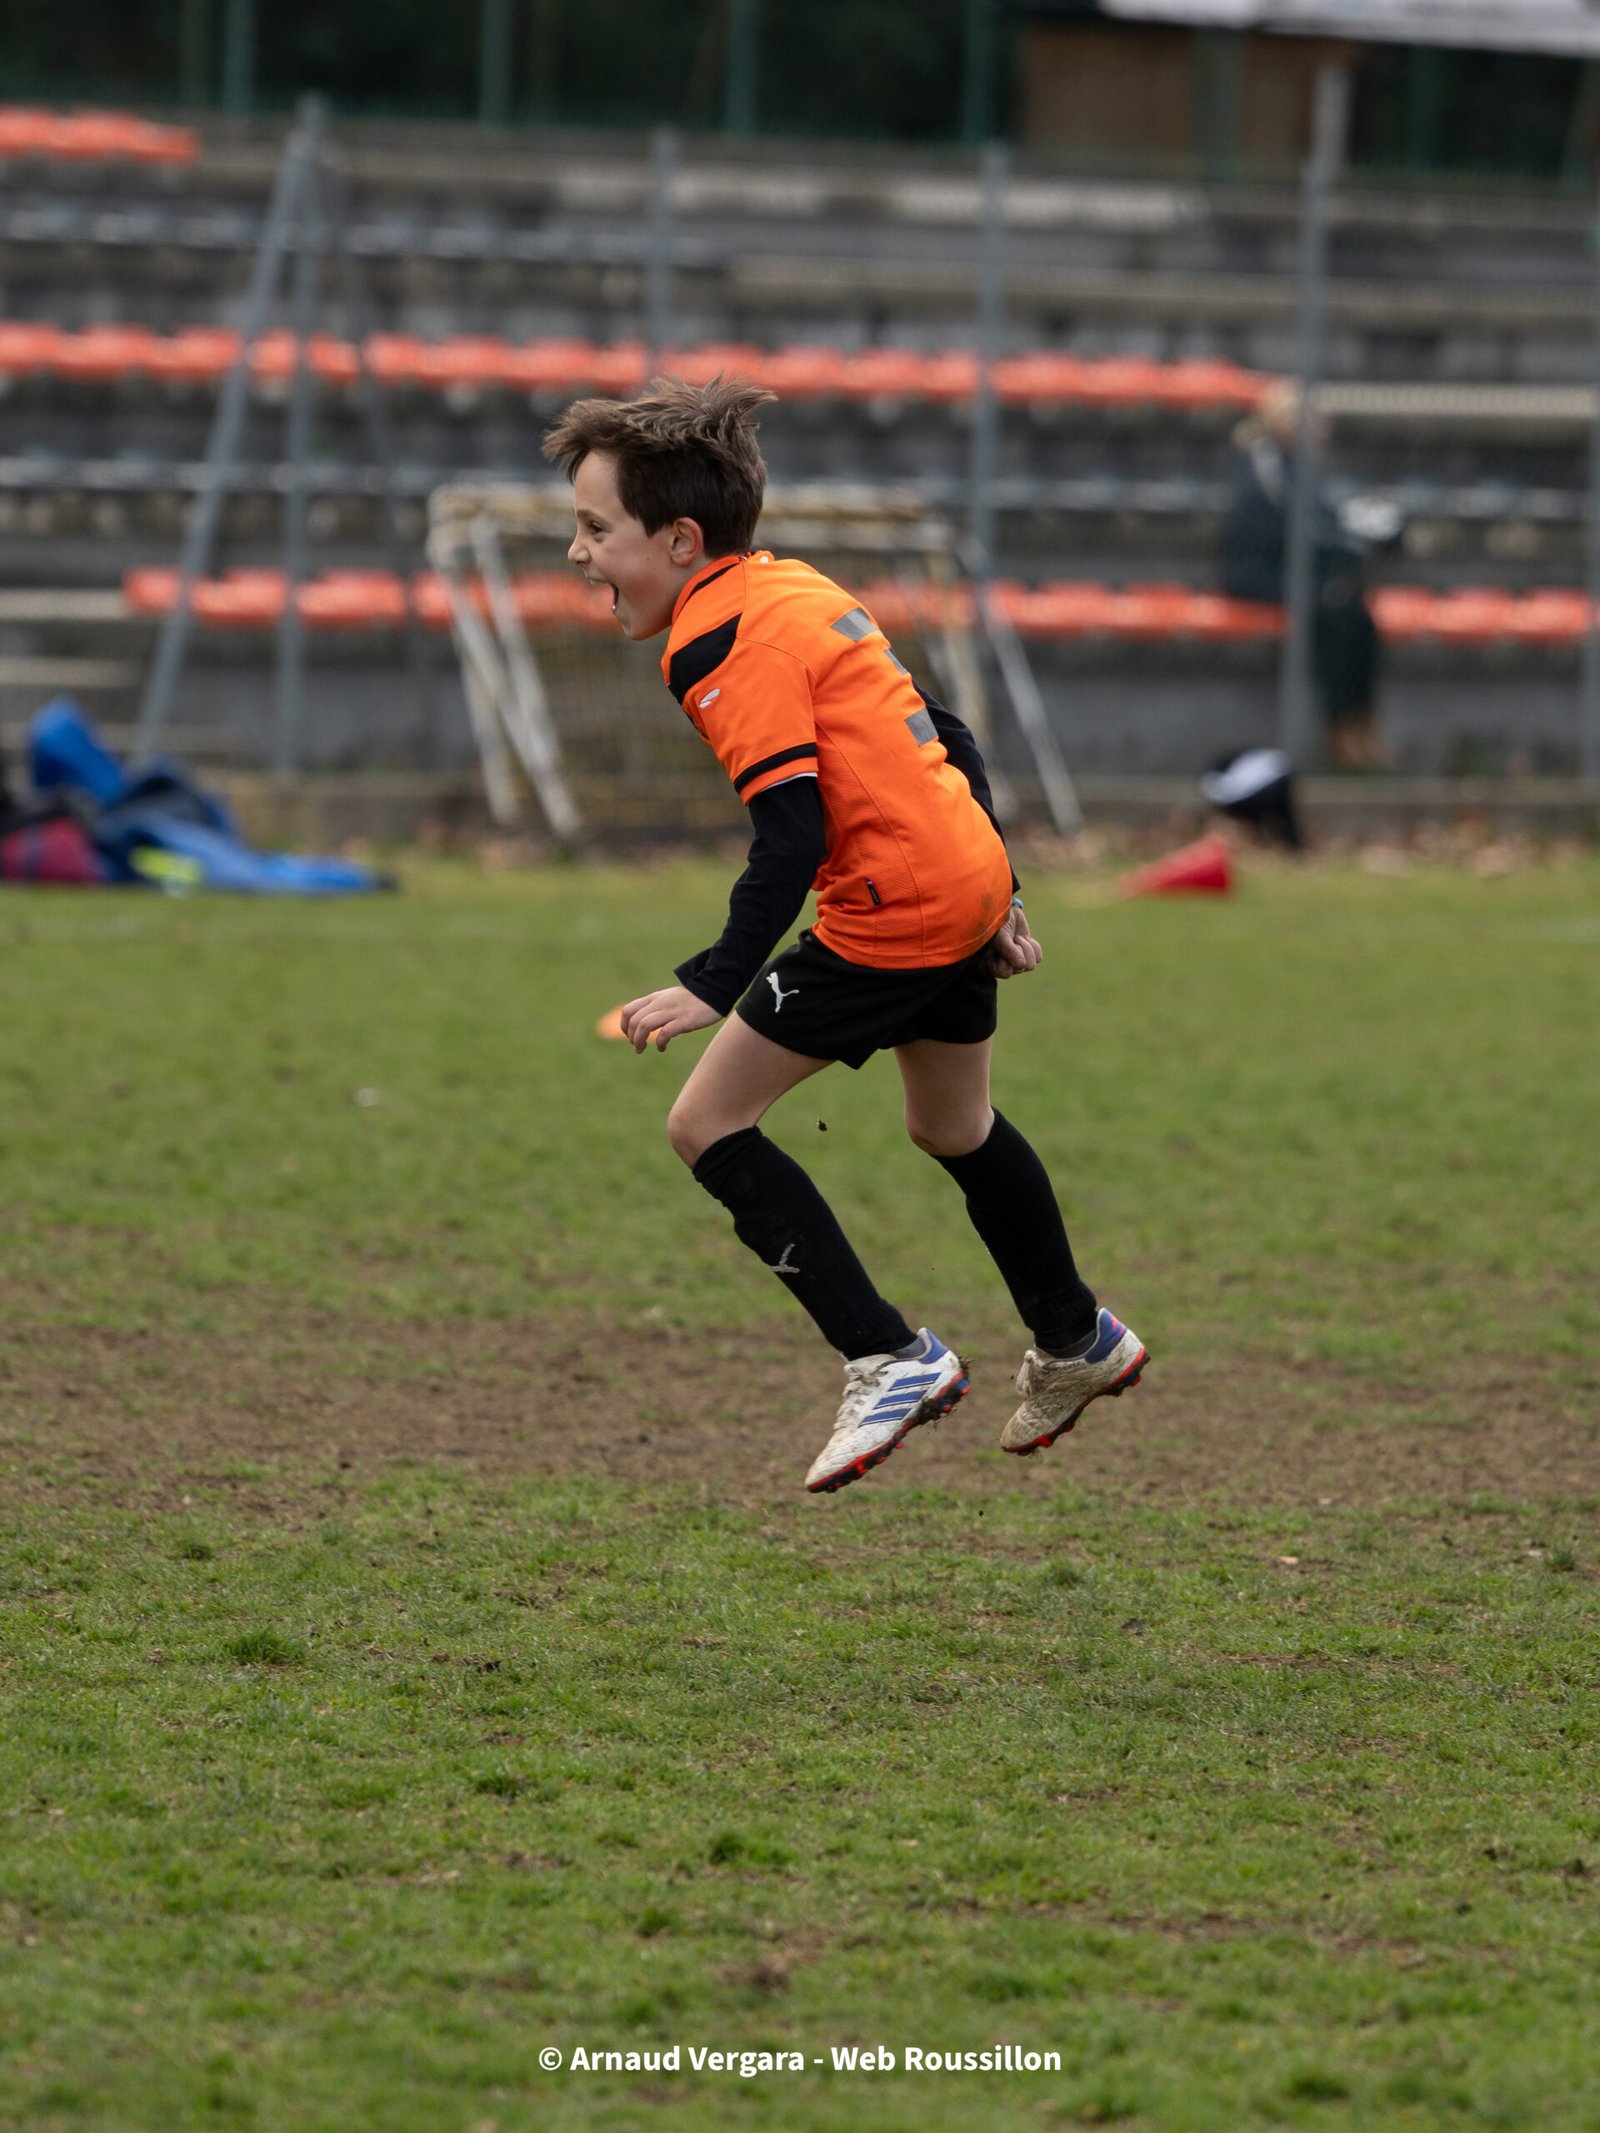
(128, 1416)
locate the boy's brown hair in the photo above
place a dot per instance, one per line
(681, 451)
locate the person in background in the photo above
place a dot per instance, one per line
(1255, 544)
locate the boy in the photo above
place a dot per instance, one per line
(860, 785)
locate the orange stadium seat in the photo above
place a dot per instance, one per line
(27, 348)
(550, 366)
(93, 137)
(1474, 614)
(802, 373)
(1239, 621)
(275, 355)
(1120, 381)
(195, 355)
(334, 361)
(1548, 618)
(162, 144)
(150, 591)
(88, 137)
(951, 377)
(1402, 610)
(395, 358)
(883, 374)
(464, 364)
(1025, 607)
(541, 599)
(619, 368)
(1039, 379)
(1078, 610)
(101, 354)
(353, 599)
(1147, 610)
(243, 600)
(732, 359)
(25, 132)
(430, 602)
(1197, 383)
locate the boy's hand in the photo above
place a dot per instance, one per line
(1014, 948)
(665, 1015)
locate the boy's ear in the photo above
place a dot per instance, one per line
(686, 543)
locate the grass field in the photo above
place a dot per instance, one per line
(417, 1650)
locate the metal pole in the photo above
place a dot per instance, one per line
(222, 448)
(658, 267)
(291, 630)
(1214, 106)
(379, 442)
(1060, 794)
(494, 64)
(977, 73)
(239, 55)
(1589, 699)
(744, 52)
(194, 54)
(545, 45)
(1423, 87)
(994, 167)
(1296, 712)
(1012, 660)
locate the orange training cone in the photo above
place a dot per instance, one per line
(610, 1023)
(1205, 868)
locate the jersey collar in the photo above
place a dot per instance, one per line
(703, 577)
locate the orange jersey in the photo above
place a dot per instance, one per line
(785, 675)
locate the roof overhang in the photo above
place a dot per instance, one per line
(1571, 27)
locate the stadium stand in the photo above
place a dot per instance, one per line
(507, 273)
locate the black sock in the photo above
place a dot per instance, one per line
(1014, 1211)
(786, 1222)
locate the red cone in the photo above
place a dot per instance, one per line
(1205, 868)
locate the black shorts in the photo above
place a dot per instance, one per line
(812, 1001)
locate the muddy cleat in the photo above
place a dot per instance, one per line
(1056, 1389)
(885, 1398)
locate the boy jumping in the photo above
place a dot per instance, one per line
(860, 785)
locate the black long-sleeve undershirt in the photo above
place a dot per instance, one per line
(789, 847)
(961, 749)
(791, 842)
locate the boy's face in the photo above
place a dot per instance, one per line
(646, 571)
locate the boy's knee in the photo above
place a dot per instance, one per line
(687, 1133)
(947, 1137)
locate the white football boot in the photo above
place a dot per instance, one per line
(885, 1398)
(1056, 1389)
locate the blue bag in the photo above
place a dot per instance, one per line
(156, 827)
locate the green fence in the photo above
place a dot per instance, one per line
(894, 70)
(891, 69)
